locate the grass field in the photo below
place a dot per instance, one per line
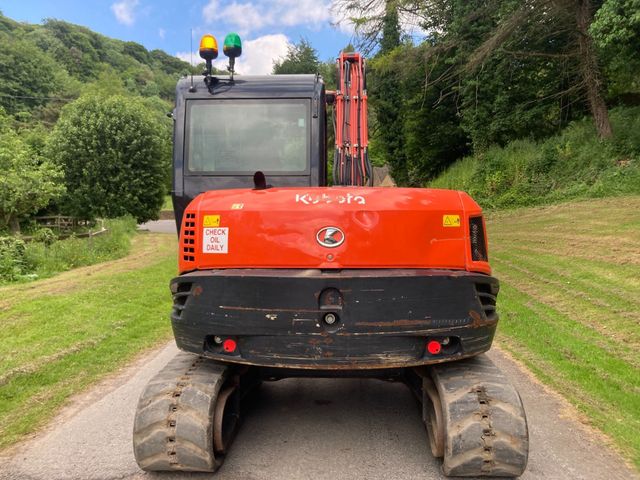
(570, 305)
(64, 333)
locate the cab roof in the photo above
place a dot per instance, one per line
(253, 86)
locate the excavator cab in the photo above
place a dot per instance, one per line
(224, 134)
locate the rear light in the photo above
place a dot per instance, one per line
(478, 240)
(229, 345)
(434, 347)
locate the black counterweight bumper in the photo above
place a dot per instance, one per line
(382, 318)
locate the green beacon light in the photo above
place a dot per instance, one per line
(232, 48)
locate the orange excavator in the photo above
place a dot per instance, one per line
(281, 275)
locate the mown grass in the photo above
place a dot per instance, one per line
(167, 204)
(570, 305)
(574, 164)
(62, 334)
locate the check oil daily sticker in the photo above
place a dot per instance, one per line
(215, 240)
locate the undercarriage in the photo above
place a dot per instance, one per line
(427, 328)
(189, 413)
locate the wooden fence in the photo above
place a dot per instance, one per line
(65, 227)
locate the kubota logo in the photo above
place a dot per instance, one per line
(330, 237)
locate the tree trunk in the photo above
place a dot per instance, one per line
(14, 225)
(590, 70)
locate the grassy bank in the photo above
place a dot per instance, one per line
(26, 261)
(570, 305)
(572, 165)
(64, 333)
(47, 260)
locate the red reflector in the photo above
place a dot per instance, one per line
(229, 345)
(434, 347)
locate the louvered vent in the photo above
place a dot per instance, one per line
(179, 299)
(478, 240)
(487, 299)
(189, 237)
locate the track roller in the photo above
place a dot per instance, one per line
(474, 419)
(187, 416)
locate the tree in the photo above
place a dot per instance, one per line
(386, 97)
(28, 182)
(114, 158)
(300, 58)
(590, 68)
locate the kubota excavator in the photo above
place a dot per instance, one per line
(282, 276)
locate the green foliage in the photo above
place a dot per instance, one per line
(44, 67)
(77, 48)
(44, 257)
(12, 258)
(45, 236)
(616, 31)
(114, 156)
(617, 23)
(425, 135)
(301, 58)
(28, 181)
(168, 63)
(489, 73)
(28, 76)
(573, 164)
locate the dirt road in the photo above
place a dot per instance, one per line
(304, 428)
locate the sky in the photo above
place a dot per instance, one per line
(266, 27)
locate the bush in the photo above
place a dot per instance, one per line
(114, 156)
(44, 235)
(12, 258)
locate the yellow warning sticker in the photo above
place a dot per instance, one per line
(211, 221)
(451, 220)
(237, 206)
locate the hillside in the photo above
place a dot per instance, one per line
(46, 66)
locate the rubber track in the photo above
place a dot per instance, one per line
(485, 425)
(173, 428)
